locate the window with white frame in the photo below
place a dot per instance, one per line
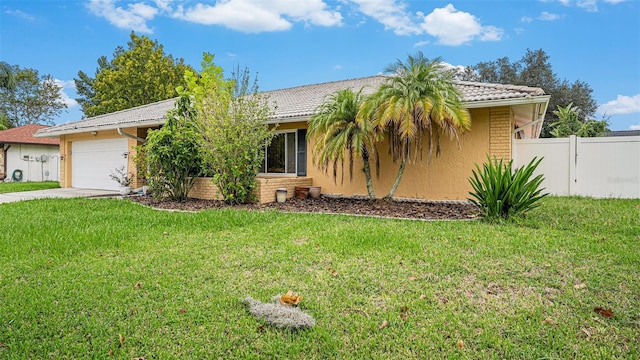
(280, 156)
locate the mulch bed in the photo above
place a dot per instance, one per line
(417, 210)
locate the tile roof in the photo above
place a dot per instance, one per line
(24, 135)
(291, 103)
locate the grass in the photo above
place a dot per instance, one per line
(9, 187)
(79, 273)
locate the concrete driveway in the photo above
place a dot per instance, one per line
(56, 193)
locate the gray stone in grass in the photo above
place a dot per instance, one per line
(278, 315)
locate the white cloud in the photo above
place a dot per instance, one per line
(547, 16)
(526, 19)
(589, 5)
(134, 17)
(634, 127)
(259, 16)
(238, 15)
(621, 105)
(421, 43)
(454, 27)
(449, 25)
(456, 68)
(67, 85)
(164, 5)
(392, 14)
(337, 67)
(21, 14)
(491, 33)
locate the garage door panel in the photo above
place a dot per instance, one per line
(94, 160)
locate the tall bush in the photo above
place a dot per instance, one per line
(500, 192)
(173, 153)
(232, 118)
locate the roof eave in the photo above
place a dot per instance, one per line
(507, 102)
(289, 119)
(77, 130)
(26, 143)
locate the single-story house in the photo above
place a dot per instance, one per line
(92, 147)
(24, 157)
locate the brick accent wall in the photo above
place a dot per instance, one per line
(500, 132)
(204, 189)
(267, 186)
(265, 190)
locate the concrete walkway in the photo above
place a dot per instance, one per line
(56, 193)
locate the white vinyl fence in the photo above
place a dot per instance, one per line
(603, 167)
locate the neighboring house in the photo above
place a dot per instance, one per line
(91, 148)
(623, 133)
(36, 159)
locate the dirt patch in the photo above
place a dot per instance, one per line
(405, 209)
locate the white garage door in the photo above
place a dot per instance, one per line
(93, 161)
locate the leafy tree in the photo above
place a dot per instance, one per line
(33, 99)
(569, 123)
(7, 76)
(337, 130)
(139, 75)
(173, 153)
(84, 86)
(232, 117)
(7, 81)
(4, 122)
(534, 69)
(419, 101)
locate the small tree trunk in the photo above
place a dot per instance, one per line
(369, 181)
(397, 181)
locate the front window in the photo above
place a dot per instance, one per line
(280, 156)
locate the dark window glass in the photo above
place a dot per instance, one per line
(276, 154)
(291, 153)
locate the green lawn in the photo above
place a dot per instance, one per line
(77, 274)
(9, 187)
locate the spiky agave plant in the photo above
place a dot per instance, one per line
(501, 192)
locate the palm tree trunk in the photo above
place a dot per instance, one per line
(397, 181)
(367, 176)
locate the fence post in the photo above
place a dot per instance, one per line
(573, 165)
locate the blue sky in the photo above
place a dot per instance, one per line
(296, 42)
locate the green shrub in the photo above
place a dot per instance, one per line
(173, 152)
(501, 192)
(232, 119)
(140, 159)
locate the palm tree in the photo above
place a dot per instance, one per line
(417, 101)
(338, 133)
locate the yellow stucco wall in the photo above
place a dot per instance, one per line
(444, 177)
(66, 152)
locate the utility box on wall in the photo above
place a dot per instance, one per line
(36, 162)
